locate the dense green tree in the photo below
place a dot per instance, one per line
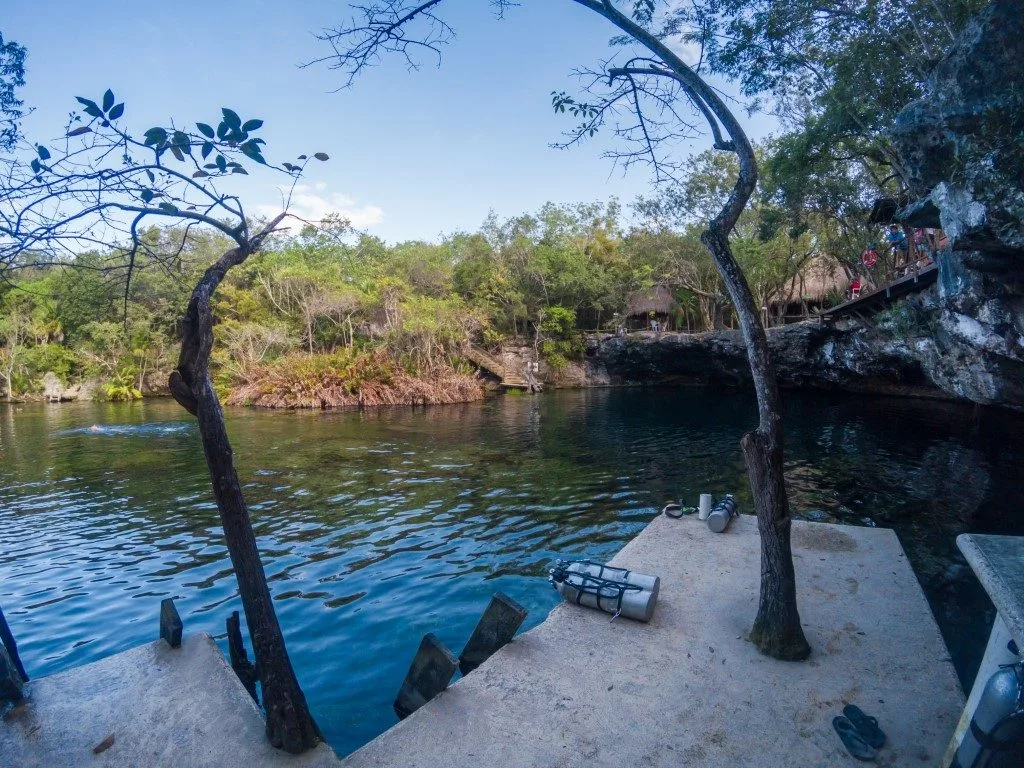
(12, 77)
(836, 73)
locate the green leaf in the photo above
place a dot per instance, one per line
(223, 130)
(302, 157)
(44, 153)
(147, 195)
(91, 108)
(200, 175)
(206, 130)
(207, 149)
(180, 139)
(152, 177)
(252, 125)
(240, 170)
(36, 166)
(222, 162)
(231, 118)
(290, 167)
(211, 166)
(108, 100)
(252, 150)
(79, 131)
(116, 111)
(155, 137)
(178, 153)
(168, 208)
(322, 156)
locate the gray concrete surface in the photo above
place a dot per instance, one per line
(689, 689)
(998, 562)
(181, 707)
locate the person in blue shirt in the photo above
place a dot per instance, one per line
(897, 239)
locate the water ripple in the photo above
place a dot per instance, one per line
(376, 528)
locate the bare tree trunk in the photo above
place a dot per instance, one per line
(290, 725)
(777, 630)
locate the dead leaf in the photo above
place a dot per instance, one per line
(104, 745)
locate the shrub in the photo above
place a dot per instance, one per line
(122, 387)
(350, 378)
(906, 319)
(561, 342)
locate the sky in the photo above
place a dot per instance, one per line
(414, 155)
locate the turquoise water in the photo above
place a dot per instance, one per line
(378, 527)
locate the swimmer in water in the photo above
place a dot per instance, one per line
(95, 428)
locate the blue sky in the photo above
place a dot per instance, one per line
(413, 155)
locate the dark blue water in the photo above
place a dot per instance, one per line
(378, 527)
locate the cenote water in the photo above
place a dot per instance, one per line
(378, 527)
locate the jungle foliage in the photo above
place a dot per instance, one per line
(384, 311)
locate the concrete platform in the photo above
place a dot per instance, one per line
(163, 706)
(689, 689)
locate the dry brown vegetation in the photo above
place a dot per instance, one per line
(347, 380)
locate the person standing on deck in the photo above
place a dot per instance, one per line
(897, 239)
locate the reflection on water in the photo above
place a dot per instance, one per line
(381, 526)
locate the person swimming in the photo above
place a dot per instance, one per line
(95, 428)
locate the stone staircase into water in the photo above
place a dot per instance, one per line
(509, 377)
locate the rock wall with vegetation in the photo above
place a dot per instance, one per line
(962, 149)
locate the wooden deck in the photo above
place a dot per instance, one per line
(869, 303)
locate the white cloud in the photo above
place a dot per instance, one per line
(313, 202)
(687, 50)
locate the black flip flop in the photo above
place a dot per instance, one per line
(852, 740)
(866, 725)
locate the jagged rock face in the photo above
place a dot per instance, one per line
(962, 149)
(805, 355)
(946, 356)
(962, 144)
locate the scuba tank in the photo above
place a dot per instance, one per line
(613, 590)
(649, 583)
(722, 513)
(998, 722)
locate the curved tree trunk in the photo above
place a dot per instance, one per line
(290, 725)
(777, 630)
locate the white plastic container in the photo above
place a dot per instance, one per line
(704, 508)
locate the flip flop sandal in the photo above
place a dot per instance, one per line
(676, 511)
(852, 740)
(866, 725)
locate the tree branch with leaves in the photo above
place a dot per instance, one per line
(98, 187)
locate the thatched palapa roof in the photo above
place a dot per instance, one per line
(659, 299)
(818, 277)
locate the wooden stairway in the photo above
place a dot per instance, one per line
(863, 307)
(509, 377)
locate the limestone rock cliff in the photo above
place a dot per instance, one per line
(962, 152)
(806, 355)
(962, 149)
